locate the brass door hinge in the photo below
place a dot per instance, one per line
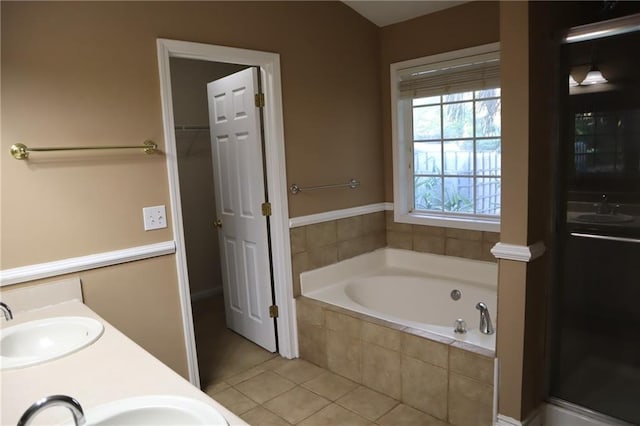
(259, 97)
(273, 311)
(266, 209)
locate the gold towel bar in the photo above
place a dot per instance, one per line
(21, 151)
(353, 184)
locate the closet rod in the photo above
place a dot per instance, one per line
(20, 151)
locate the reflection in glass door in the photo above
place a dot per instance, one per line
(595, 331)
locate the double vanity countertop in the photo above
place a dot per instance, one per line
(112, 368)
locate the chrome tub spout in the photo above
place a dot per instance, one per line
(486, 327)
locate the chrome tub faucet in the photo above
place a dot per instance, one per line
(485, 319)
(53, 401)
(8, 315)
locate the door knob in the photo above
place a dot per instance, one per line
(218, 223)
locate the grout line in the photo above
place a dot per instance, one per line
(388, 411)
(315, 412)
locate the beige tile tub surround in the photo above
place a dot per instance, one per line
(321, 244)
(432, 239)
(325, 243)
(446, 379)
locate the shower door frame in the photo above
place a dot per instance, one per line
(588, 32)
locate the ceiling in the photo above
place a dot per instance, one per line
(383, 13)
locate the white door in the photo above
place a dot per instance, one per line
(236, 146)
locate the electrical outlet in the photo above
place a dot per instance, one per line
(154, 217)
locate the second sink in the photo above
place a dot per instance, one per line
(152, 410)
(39, 341)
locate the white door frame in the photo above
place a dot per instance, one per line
(269, 64)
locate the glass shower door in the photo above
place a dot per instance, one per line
(595, 326)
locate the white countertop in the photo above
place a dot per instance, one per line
(112, 368)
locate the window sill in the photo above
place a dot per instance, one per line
(476, 224)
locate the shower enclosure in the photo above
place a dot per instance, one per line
(595, 324)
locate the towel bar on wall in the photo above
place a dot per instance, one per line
(20, 151)
(353, 184)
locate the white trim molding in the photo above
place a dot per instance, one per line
(535, 419)
(517, 252)
(295, 222)
(401, 132)
(83, 263)
(204, 294)
(274, 153)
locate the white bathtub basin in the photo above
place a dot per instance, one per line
(39, 341)
(152, 410)
(411, 289)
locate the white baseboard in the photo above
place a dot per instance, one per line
(204, 294)
(555, 415)
(84, 263)
(535, 419)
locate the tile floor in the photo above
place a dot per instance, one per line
(265, 389)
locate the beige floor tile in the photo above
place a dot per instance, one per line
(260, 416)
(335, 415)
(296, 404)
(298, 370)
(234, 401)
(368, 403)
(274, 363)
(242, 355)
(264, 386)
(215, 387)
(221, 352)
(330, 386)
(245, 375)
(407, 416)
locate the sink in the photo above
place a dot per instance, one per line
(604, 218)
(39, 341)
(152, 410)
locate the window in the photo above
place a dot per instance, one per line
(447, 139)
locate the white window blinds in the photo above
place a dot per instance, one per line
(478, 72)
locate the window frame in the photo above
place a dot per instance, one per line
(402, 148)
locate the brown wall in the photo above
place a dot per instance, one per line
(528, 60)
(429, 35)
(512, 282)
(85, 73)
(140, 299)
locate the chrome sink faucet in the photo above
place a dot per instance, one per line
(53, 401)
(485, 319)
(8, 315)
(603, 206)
